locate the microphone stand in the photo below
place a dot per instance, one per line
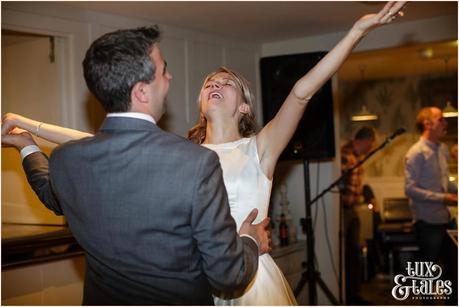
(311, 275)
(350, 170)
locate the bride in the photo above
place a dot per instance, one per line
(248, 158)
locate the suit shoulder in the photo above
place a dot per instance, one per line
(69, 146)
(192, 149)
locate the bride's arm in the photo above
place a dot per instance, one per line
(52, 133)
(273, 138)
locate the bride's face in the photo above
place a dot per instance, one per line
(220, 95)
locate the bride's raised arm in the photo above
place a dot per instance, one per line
(49, 132)
(274, 137)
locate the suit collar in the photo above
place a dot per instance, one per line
(126, 123)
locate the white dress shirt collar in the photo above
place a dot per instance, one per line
(137, 115)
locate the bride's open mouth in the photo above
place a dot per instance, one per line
(215, 95)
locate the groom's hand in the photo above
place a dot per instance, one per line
(17, 138)
(259, 231)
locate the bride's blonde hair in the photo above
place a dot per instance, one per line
(247, 123)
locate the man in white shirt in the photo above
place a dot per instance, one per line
(430, 193)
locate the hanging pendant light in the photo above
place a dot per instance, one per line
(364, 114)
(448, 110)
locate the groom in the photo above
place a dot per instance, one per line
(149, 208)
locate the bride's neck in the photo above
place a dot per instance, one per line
(221, 133)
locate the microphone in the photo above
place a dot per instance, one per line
(394, 135)
(397, 133)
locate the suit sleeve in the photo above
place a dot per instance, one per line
(230, 262)
(36, 167)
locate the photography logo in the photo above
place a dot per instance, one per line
(422, 282)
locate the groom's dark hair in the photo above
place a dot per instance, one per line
(116, 61)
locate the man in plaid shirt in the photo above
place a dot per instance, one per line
(351, 195)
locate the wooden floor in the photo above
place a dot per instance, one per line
(378, 292)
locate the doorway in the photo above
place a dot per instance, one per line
(32, 83)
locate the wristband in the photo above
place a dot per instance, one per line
(38, 129)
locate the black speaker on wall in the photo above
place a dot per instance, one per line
(314, 139)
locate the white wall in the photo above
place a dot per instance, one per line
(396, 34)
(30, 86)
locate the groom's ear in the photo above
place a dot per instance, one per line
(139, 93)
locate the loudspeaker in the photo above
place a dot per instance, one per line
(314, 139)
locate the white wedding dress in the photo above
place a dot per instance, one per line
(248, 188)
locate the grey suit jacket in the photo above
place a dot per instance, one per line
(151, 211)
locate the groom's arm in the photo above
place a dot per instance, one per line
(230, 261)
(35, 165)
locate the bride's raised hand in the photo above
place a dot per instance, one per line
(389, 12)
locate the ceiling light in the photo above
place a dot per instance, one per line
(449, 110)
(364, 115)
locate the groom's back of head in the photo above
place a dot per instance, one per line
(116, 61)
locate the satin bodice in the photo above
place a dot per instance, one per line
(247, 185)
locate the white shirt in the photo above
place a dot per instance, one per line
(426, 181)
(137, 115)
